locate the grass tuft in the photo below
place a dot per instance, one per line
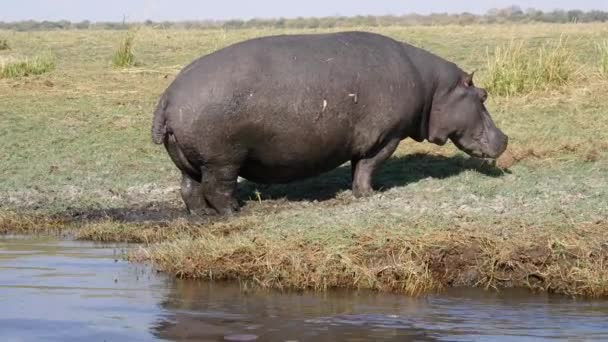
(554, 66)
(4, 44)
(602, 49)
(13, 223)
(514, 69)
(507, 69)
(124, 56)
(293, 263)
(12, 67)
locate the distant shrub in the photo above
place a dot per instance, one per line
(4, 44)
(511, 14)
(602, 49)
(514, 69)
(124, 56)
(12, 67)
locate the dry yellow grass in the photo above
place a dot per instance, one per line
(387, 260)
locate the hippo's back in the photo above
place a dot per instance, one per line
(286, 62)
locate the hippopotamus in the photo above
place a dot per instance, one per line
(282, 108)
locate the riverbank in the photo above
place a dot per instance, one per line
(402, 256)
(77, 161)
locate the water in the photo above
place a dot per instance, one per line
(73, 291)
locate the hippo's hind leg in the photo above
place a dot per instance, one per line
(192, 194)
(219, 187)
(191, 189)
(363, 168)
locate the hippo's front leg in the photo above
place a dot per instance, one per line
(364, 168)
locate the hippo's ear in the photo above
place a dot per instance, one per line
(468, 79)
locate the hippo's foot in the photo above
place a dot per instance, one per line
(231, 208)
(219, 188)
(200, 208)
(201, 212)
(363, 192)
(194, 200)
(363, 169)
(362, 182)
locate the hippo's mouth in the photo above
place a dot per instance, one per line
(480, 155)
(476, 152)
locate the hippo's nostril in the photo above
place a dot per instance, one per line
(505, 143)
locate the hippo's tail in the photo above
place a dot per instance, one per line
(159, 125)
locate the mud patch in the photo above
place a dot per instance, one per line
(150, 213)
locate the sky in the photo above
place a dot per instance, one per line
(176, 10)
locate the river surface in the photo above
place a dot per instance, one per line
(52, 290)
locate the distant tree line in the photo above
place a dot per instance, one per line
(513, 14)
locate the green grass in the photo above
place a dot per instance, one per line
(516, 68)
(124, 56)
(602, 52)
(508, 69)
(554, 66)
(77, 158)
(4, 44)
(11, 67)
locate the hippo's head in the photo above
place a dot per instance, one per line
(459, 114)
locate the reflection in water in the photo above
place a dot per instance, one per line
(204, 311)
(73, 291)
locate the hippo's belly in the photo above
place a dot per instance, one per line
(289, 171)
